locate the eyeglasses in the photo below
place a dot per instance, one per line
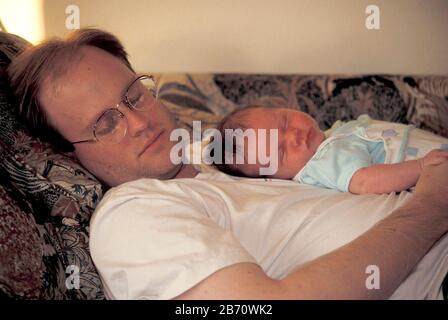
(111, 126)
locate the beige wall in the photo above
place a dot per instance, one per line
(284, 36)
(23, 17)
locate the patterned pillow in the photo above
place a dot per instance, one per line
(21, 250)
(191, 98)
(55, 183)
(60, 197)
(42, 260)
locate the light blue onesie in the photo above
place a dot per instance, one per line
(360, 143)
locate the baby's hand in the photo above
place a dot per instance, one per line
(434, 157)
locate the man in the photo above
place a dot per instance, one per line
(188, 235)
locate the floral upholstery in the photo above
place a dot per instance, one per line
(422, 101)
(41, 243)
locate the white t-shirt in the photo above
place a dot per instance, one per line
(153, 239)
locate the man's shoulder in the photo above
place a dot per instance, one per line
(142, 186)
(151, 194)
(145, 187)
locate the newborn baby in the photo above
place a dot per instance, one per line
(360, 156)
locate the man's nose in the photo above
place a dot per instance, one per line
(138, 121)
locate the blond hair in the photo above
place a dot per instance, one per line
(50, 60)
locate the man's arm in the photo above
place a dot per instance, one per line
(395, 245)
(387, 178)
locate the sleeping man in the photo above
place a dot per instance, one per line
(167, 231)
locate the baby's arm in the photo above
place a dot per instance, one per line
(386, 178)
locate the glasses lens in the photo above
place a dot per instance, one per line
(142, 93)
(111, 127)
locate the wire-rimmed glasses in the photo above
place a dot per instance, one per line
(111, 126)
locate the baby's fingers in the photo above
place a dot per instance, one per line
(434, 157)
(437, 153)
(433, 161)
(442, 152)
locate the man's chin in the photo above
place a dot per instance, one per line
(171, 174)
(165, 172)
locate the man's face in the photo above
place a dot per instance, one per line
(73, 103)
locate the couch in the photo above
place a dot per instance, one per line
(47, 198)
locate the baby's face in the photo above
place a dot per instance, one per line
(298, 139)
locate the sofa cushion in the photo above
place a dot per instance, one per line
(21, 251)
(48, 238)
(42, 260)
(54, 182)
(420, 100)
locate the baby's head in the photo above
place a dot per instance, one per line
(298, 139)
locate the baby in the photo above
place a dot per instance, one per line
(360, 156)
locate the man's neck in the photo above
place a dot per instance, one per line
(187, 171)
